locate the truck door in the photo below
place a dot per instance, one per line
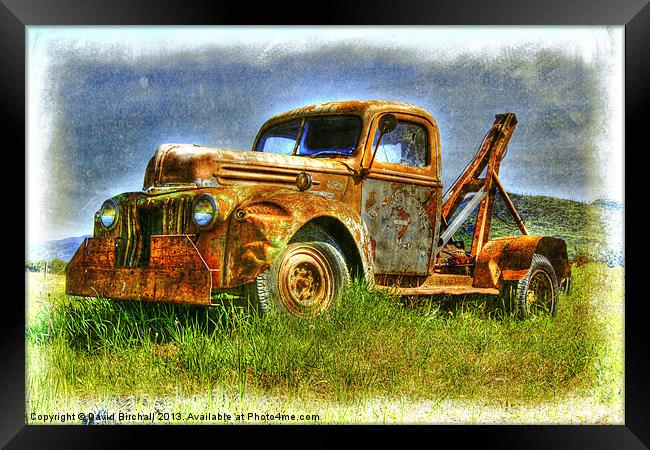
(401, 196)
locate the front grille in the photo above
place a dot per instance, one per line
(165, 217)
(150, 223)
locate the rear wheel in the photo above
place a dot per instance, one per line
(306, 279)
(536, 293)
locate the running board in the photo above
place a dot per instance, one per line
(442, 290)
(440, 284)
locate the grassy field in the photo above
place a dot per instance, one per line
(371, 360)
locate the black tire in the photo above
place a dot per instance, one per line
(314, 233)
(536, 293)
(307, 278)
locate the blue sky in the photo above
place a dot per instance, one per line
(101, 99)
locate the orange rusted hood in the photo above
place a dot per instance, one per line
(211, 166)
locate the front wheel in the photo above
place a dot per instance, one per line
(537, 292)
(306, 279)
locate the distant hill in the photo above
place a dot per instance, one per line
(62, 249)
(608, 204)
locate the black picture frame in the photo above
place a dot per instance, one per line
(15, 15)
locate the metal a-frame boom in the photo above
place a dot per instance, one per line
(490, 154)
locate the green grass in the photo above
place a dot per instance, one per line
(373, 359)
(371, 346)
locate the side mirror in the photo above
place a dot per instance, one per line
(387, 124)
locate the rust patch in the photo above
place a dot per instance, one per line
(403, 216)
(509, 258)
(398, 221)
(176, 273)
(271, 231)
(370, 201)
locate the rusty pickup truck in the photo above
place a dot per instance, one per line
(328, 192)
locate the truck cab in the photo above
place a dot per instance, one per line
(397, 195)
(327, 192)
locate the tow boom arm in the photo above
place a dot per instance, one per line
(490, 154)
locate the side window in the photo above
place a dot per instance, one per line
(406, 145)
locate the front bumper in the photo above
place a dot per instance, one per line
(176, 272)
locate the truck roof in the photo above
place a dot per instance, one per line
(363, 108)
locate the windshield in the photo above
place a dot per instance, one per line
(313, 136)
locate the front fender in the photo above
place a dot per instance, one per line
(263, 225)
(509, 259)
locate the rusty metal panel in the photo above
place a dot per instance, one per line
(509, 258)
(100, 250)
(444, 290)
(190, 166)
(556, 251)
(177, 273)
(487, 270)
(399, 225)
(268, 221)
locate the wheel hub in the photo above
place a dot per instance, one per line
(305, 281)
(539, 296)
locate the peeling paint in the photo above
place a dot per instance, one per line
(393, 214)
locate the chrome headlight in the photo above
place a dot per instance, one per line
(108, 213)
(204, 210)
